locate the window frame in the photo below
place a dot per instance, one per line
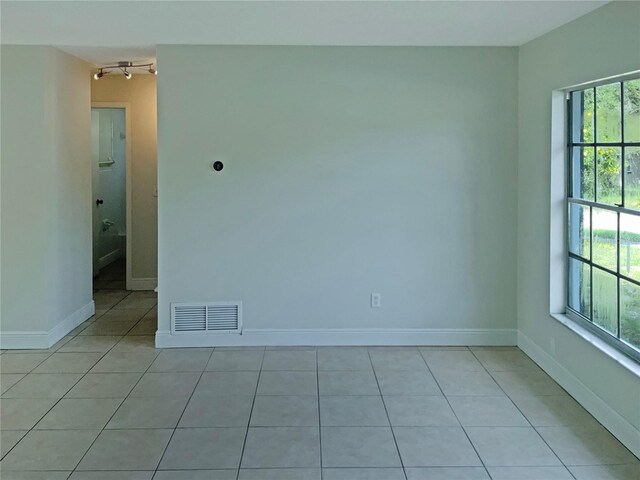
(614, 340)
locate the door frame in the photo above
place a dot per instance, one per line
(128, 158)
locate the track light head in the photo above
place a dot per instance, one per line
(124, 68)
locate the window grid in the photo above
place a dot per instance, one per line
(618, 208)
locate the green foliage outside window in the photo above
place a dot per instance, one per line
(606, 166)
(607, 160)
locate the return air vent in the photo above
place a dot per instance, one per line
(216, 317)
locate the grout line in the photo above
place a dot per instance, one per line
(103, 314)
(123, 400)
(129, 292)
(56, 402)
(384, 404)
(75, 335)
(317, 371)
(135, 324)
(120, 301)
(454, 412)
(521, 412)
(86, 373)
(183, 410)
(319, 416)
(253, 403)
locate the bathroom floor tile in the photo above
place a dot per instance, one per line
(511, 447)
(204, 448)
(359, 447)
(126, 450)
(282, 447)
(285, 411)
(435, 447)
(49, 450)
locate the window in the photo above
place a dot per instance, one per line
(603, 204)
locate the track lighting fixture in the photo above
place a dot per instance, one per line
(124, 68)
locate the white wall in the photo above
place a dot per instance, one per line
(45, 196)
(600, 44)
(347, 171)
(140, 93)
(22, 100)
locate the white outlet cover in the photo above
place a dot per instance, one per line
(376, 300)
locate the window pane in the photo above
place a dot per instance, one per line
(579, 291)
(604, 164)
(630, 313)
(630, 246)
(583, 181)
(608, 178)
(632, 177)
(605, 238)
(608, 113)
(605, 300)
(579, 230)
(632, 111)
(582, 116)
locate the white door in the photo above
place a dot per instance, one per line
(95, 185)
(109, 186)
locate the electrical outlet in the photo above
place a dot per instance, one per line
(376, 300)
(552, 346)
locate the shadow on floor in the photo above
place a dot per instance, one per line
(111, 277)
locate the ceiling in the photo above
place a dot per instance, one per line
(104, 32)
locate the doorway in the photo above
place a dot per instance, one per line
(110, 199)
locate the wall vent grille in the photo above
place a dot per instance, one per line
(213, 317)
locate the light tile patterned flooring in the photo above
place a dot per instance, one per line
(105, 404)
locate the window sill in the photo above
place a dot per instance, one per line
(611, 352)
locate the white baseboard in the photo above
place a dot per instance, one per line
(410, 336)
(71, 322)
(142, 284)
(612, 420)
(24, 339)
(109, 258)
(45, 339)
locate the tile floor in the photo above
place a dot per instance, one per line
(105, 404)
